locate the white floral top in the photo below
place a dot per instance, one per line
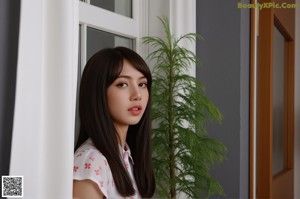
(90, 164)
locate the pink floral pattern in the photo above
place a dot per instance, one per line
(92, 158)
(97, 172)
(87, 166)
(89, 163)
(75, 168)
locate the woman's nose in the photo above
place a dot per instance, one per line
(136, 94)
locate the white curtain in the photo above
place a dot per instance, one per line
(43, 131)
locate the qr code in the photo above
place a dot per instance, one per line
(12, 186)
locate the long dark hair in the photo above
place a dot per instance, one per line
(100, 72)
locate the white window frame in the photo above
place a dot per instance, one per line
(132, 28)
(95, 17)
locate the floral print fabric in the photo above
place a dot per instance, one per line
(90, 164)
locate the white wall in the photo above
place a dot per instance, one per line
(182, 18)
(297, 103)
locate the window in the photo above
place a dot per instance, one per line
(123, 7)
(97, 39)
(101, 28)
(105, 24)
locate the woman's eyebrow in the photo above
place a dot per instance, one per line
(130, 77)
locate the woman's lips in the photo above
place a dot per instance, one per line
(135, 110)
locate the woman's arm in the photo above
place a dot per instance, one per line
(86, 189)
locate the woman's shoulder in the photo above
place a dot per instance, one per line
(87, 155)
(89, 163)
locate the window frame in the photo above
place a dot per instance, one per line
(131, 28)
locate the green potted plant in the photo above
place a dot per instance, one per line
(183, 153)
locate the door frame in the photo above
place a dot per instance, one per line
(265, 184)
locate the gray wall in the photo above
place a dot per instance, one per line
(225, 72)
(9, 31)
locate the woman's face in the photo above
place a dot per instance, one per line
(127, 96)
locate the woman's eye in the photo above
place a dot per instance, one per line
(143, 85)
(121, 85)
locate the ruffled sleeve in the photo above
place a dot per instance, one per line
(90, 164)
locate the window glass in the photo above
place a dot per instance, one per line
(97, 40)
(278, 102)
(122, 7)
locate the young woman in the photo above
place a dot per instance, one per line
(113, 152)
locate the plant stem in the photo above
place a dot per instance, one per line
(171, 130)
